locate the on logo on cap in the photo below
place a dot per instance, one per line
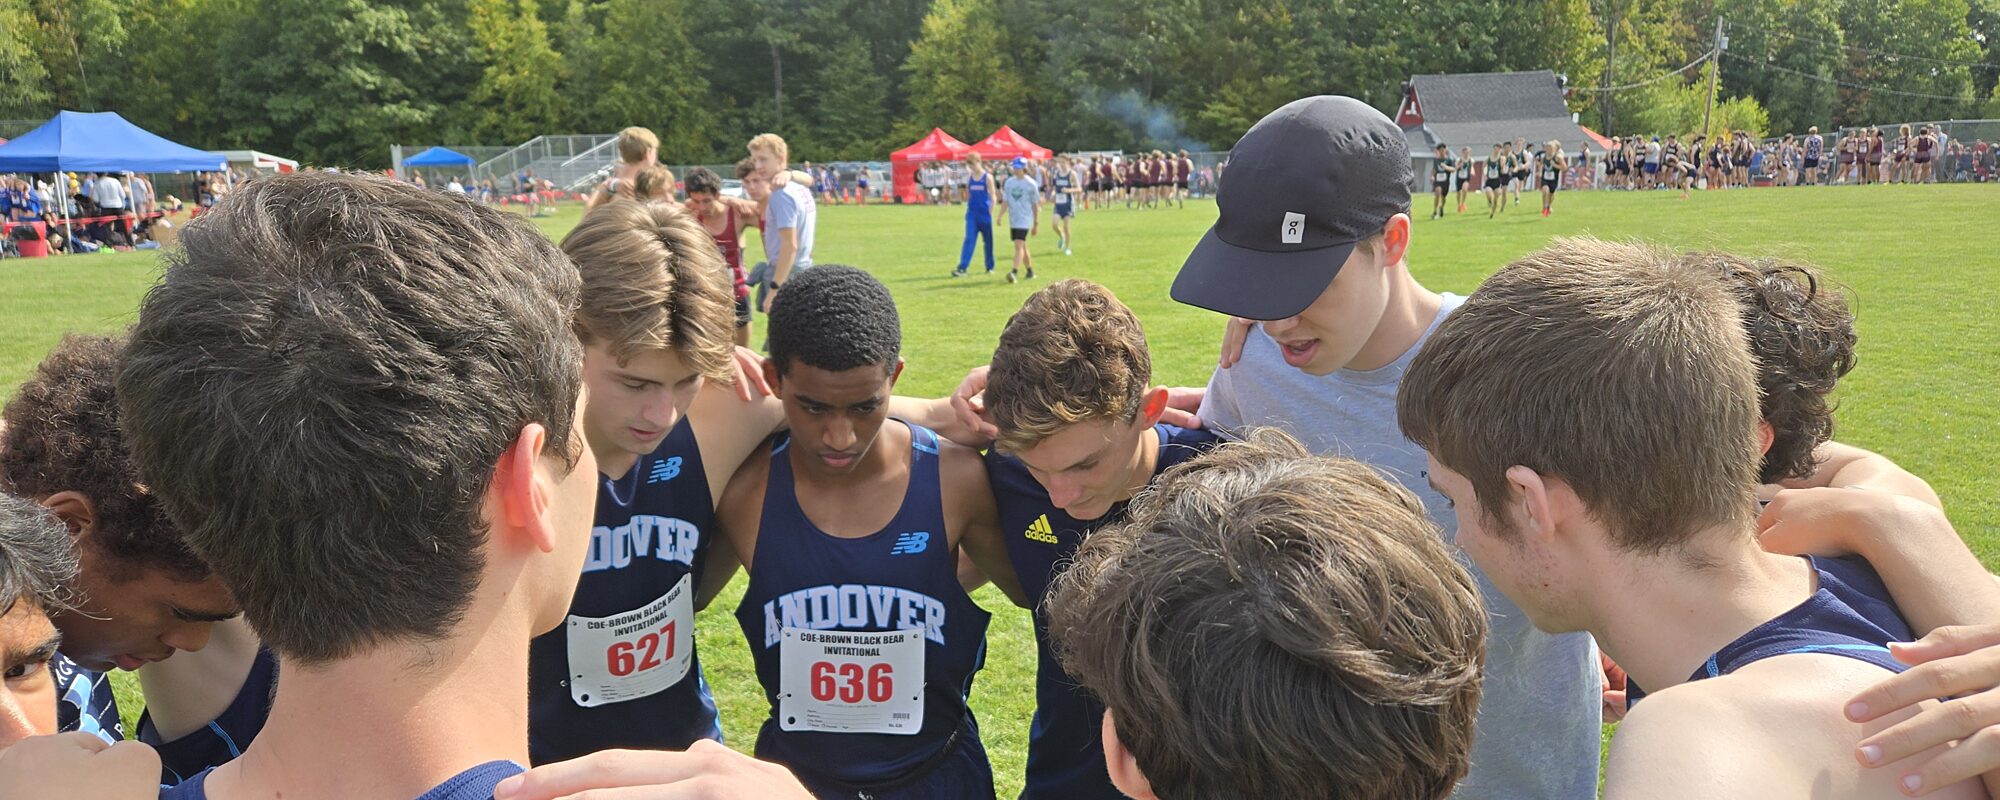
(1294, 231)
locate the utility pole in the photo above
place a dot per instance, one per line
(1714, 66)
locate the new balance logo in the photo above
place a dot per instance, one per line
(910, 543)
(665, 470)
(1039, 531)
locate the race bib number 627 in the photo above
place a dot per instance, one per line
(851, 681)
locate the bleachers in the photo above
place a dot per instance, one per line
(568, 161)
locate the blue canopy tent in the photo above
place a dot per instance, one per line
(103, 142)
(74, 141)
(439, 157)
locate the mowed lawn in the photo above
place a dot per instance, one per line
(1918, 263)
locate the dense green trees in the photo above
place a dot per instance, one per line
(337, 81)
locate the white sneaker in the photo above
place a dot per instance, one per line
(1065, 251)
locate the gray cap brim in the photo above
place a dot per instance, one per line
(1256, 284)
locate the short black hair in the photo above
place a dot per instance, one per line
(63, 435)
(701, 180)
(834, 318)
(37, 563)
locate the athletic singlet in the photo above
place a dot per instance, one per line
(224, 738)
(1924, 145)
(1850, 615)
(621, 670)
(730, 242)
(473, 784)
(1441, 170)
(1496, 166)
(809, 588)
(84, 702)
(1186, 169)
(1065, 746)
(1061, 184)
(1815, 145)
(1551, 171)
(979, 197)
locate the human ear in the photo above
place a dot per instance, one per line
(1529, 502)
(74, 509)
(1395, 239)
(523, 499)
(1153, 406)
(1122, 766)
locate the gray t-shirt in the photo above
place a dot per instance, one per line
(1022, 194)
(1539, 724)
(793, 207)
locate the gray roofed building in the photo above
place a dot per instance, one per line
(1477, 110)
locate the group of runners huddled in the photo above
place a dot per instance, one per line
(1510, 168)
(415, 499)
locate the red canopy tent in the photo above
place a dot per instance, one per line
(935, 146)
(1006, 143)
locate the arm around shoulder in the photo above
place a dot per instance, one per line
(970, 506)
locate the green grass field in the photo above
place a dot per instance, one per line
(1913, 259)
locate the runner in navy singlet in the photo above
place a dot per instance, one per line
(851, 527)
(1667, 577)
(1056, 482)
(622, 671)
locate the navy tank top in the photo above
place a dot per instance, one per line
(84, 701)
(224, 738)
(1851, 615)
(820, 597)
(621, 671)
(1065, 745)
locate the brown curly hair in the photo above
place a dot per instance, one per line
(62, 434)
(1802, 335)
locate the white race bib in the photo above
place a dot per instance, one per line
(851, 682)
(634, 654)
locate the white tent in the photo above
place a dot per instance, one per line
(259, 162)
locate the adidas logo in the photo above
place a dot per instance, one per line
(1039, 531)
(909, 543)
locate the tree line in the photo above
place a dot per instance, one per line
(338, 81)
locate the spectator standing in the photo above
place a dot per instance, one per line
(1815, 148)
(112, 200)
(1024, 216)
(638, 148)
(978, 214)
(790, 219)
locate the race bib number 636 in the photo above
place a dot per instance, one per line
(851, 682)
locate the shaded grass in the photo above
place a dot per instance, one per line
(1918, 264)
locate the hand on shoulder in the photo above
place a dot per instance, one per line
(79, 765)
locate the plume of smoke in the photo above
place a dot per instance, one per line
(1154, 125)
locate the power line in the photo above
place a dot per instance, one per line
(1837, 82)
(1649, 81)
(1883, 53)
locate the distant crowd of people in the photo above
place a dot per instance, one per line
(79, 213)
(1141, 180)
(1731, 160)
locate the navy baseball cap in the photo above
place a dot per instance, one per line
(1306, 184)
(1020, 163)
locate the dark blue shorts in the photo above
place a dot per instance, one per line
(966, 773)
